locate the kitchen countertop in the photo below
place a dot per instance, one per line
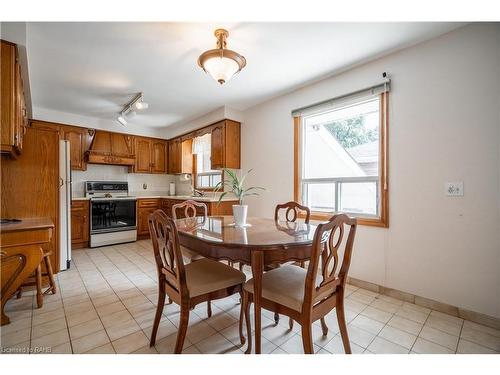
(208, 198)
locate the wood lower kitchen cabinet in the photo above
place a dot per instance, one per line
(151, 155)
(80, 225)
(224, 208)
(14, 118)
(145, 207)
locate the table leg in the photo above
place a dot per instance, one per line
(257, 271)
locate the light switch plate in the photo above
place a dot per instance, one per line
(454, 189)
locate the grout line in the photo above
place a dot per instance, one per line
(459, 336)
(65, 317)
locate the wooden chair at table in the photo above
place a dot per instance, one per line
(190, 284)
(296, 210)
(292, 213)
(189, 208)
(308, 295)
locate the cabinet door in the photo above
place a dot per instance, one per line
(142, 155)
(79, 224)
(158, 156)
(76, 138)
(174, 156)
(121, 144)
(8, 101)
(19, 118)
(217, 148)
(142, 220)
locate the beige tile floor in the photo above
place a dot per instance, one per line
(106, 304)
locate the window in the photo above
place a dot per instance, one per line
(340, 159)
(205, 177)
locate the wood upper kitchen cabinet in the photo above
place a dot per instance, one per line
(145, 207)
(79, 140)
(226, 145)
(158, 156)
(180, 155)
(14, 118)
(151, 155)
(80, 226)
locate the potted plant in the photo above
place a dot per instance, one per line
(235, 185)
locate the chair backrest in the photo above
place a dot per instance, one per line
(293, 209)
(189, 207)
(167, 253)
(332, 247)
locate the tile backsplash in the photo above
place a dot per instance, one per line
(156, 183)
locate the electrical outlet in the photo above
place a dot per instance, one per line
(454, 189)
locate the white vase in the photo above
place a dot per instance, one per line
(240, 214)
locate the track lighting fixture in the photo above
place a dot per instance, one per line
(130, 109)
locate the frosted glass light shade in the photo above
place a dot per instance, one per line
(221, 69)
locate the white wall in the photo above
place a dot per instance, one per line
(444, 126)
(204, 120)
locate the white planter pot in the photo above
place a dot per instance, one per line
(240, 214)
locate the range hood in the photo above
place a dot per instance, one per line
(111, 148)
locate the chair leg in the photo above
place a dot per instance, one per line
(169, 301)
(324, 327)
(181, 334)
(276, 318)
(242, 337)
(290, 323)
(209, 308)
(303, 264)
(241, 266)
(342, 323)
(159, 311)
(246, 308)
(52, 284)
(39, 294)
(307, 338)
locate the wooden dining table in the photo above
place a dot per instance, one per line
(262, 242)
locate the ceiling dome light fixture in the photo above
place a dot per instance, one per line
(221, 63)
(137, 103)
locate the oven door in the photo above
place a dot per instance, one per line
(112, 215)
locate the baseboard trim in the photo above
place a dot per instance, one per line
(473, 316)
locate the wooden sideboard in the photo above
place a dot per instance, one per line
(21, 253)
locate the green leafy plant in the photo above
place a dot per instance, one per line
(235, 184)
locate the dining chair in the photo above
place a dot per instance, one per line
(292, 211)
(306, 295)
(187, 284)
(190, 209)
(296, 210)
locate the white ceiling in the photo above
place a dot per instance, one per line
(93, 69)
